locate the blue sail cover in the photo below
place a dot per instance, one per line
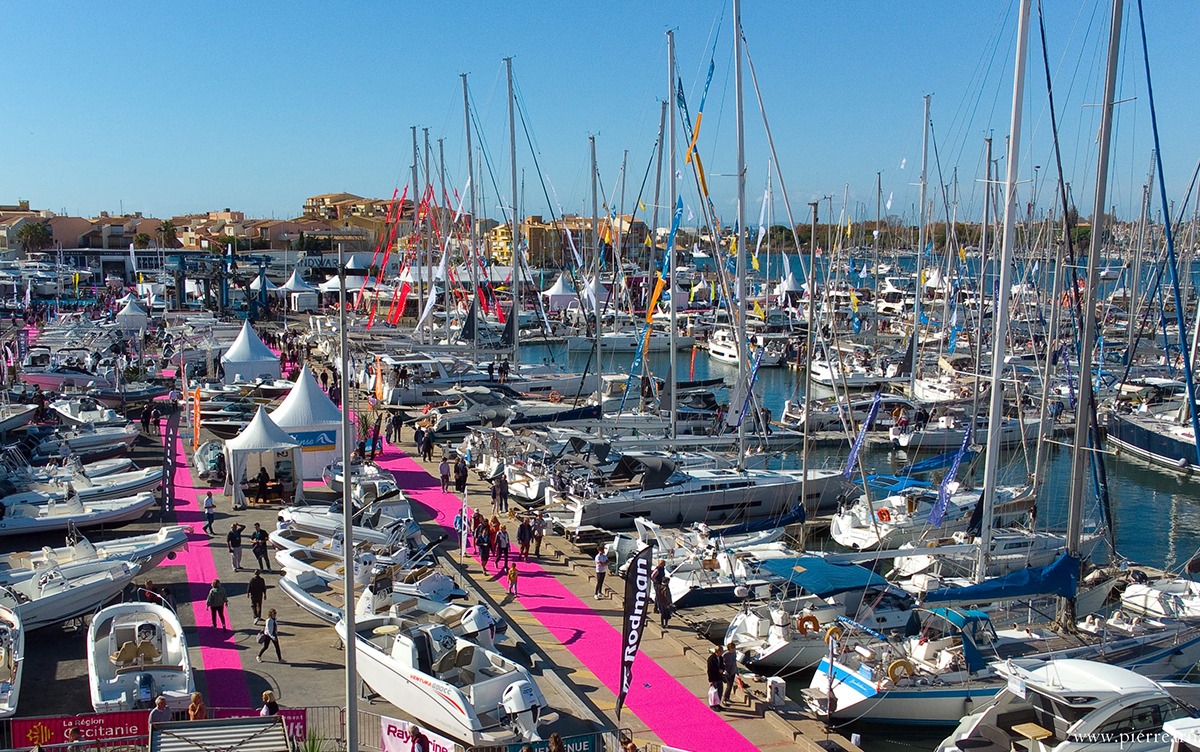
(823, 578)
(1060, 578)
(794, 516)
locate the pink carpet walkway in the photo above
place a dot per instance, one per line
(223, 673)
(672, 711)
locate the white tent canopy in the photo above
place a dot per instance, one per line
(354, 283)
(599, 291)
(313, 421)
(262, 444)
(256, 285)
(560, 294)
(249, 358)
(296, 284)
(789, 284)
(132, 316)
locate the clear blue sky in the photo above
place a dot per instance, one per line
(168, 108)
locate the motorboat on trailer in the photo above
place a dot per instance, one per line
(146, 550)
(65, 592)
(12, 660)
(29, 515)
(137, 652)
(80, 411)
(447, 683)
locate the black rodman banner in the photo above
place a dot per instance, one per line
(637, 602)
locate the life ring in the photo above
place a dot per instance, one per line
(899, 669)
(883, 514)
(555, 397)
(833, 633)
(807, 623)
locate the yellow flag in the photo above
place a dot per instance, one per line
(641, 205)
(754, 261)
(608, 235)
(692, 293)
(854, 302)
(962, 253)
(758, 311)
(849, 227)
(733, 243)
(648, 243)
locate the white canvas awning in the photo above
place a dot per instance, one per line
(312, 419)
(257, 446)
(249, 357)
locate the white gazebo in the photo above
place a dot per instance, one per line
(313, 421)
(789, 285)
(257, 284)
(263, 444)
(249, 358)
(132, 317)
(296, 284)
(559, 295)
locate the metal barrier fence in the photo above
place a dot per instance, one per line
(323, 724)
(370, 737)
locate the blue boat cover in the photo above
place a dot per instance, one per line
(968, 623)
(1059, 578)
(794, 517)
(823, 578)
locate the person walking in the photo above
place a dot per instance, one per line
(233, 540)
(601, 571)
(262, 478)
(256, 591)
(716, 675)
(662, 592)
(156, 418)
(444, 473)
(269, 706)
(197, 710)
(524, 537)
(502, 482)
(216, 601)
(513, 574)
(419, 742)
(460, 476)
(210, 513)
(729, 670)
(483, 542)
(539, 530)
(427, 445)
(269, 636)
(502, 546)
(258, 546)
(496, 495)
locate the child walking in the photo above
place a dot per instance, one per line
(513, 574)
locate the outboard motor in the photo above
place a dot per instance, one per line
(519, 709)
(144, 691)
(479, 626)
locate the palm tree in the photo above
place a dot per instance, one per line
(167, 237)
(35, 236)
(141, 240)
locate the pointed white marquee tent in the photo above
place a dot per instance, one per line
(313, 421)
(296, 284)
(132, 317)
(263, 444)
(249, 358)
(560, 295)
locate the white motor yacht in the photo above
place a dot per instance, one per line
(136, 653)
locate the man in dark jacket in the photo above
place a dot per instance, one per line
(716, 675)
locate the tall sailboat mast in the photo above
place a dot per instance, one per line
(516, 251)
(992, 457)
(473, 238)
(920, 245)
(670, 251)
(594, 285)
(1081, 444)
(743, 366)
